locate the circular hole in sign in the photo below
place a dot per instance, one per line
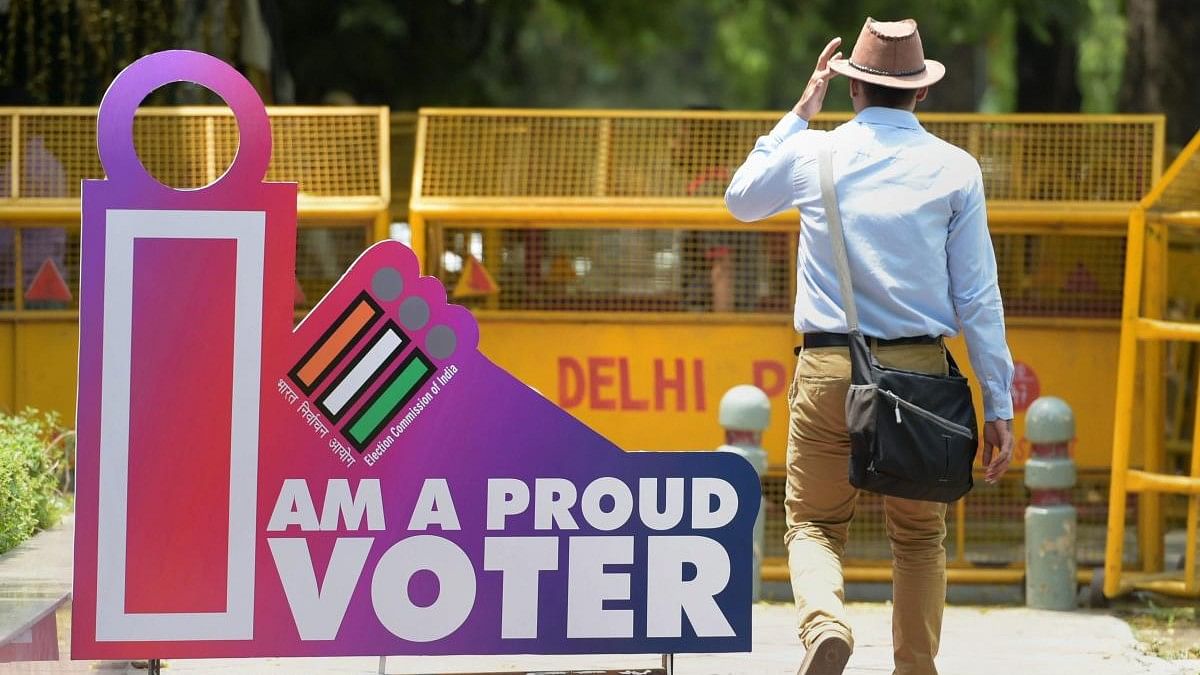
(423, 588)
(185, 149)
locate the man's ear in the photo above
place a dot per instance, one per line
(855, 87)
(922, 93)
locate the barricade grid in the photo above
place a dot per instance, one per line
(323, 254)
(868, 541)
(7, 265)
(67, 154)
(511, 156)
(1181, 195)
(994, 523)
(591, 267)
(404, 144)
(175, 150)
(600, 155)
(1182, 359)
(629, 270)
(330, 154)
(1150, 374)
(57, 246)
(995, 532)
(1090, 498)
(1061, 275)
(5, 161)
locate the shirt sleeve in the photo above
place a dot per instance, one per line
(763, 185)
(975, 291)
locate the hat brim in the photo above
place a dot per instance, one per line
(934, 71)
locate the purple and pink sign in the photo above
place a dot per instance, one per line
(365, 484)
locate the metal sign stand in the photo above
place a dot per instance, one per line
(668, 668)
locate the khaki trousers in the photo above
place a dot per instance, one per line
(820, 504)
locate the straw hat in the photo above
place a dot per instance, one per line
(889, 53)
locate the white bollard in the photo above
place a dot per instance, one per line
(744, 413)
(1050, 520)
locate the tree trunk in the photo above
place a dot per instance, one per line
(1046, 68)
(966, 79)
(1140, 90)
(1161, 69)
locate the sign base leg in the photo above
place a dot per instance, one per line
(668, 668)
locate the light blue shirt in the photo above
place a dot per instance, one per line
(921, 259)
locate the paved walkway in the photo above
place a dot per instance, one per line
(976, 641)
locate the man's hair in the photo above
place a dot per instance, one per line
(888, 97)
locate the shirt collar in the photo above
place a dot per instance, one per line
(891, 117)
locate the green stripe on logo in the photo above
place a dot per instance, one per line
(385, 404)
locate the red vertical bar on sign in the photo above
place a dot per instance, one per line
(181, 398)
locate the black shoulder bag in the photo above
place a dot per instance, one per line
(912, 435)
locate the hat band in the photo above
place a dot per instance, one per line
(887, 73)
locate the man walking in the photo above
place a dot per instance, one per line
(923, 268)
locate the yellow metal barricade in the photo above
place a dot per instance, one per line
(404, 138)
(1160, 306)
(623, 290)
(339, 156)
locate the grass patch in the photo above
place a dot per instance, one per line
(1168, 632)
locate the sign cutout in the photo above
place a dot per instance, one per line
(365, 484)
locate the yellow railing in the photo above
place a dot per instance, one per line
(579, 158)
(1159, 306)
(632, 200)
(606, 233)
(404, 141)
(570, 182)
(985, 532)
(340, 157)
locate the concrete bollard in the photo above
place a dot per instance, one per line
(1050, 519)
(744, 413)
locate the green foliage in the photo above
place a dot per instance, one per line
(67, 51)
(733, 54)
(17, 501)
(1102, 56)
(1000, 93)
(34, 470)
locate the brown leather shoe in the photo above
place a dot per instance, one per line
(827, 655)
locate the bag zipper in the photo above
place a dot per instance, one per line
(936, 419)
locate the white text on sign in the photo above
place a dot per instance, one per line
(684, 572)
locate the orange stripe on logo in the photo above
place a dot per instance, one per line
(360, 316)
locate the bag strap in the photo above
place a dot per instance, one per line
(837, 236)
(862, 359)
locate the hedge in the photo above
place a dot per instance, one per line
(35, 469)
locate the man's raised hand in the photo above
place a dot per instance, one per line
(814, 93)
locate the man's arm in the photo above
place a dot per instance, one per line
(763, 186)
(975, 291)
